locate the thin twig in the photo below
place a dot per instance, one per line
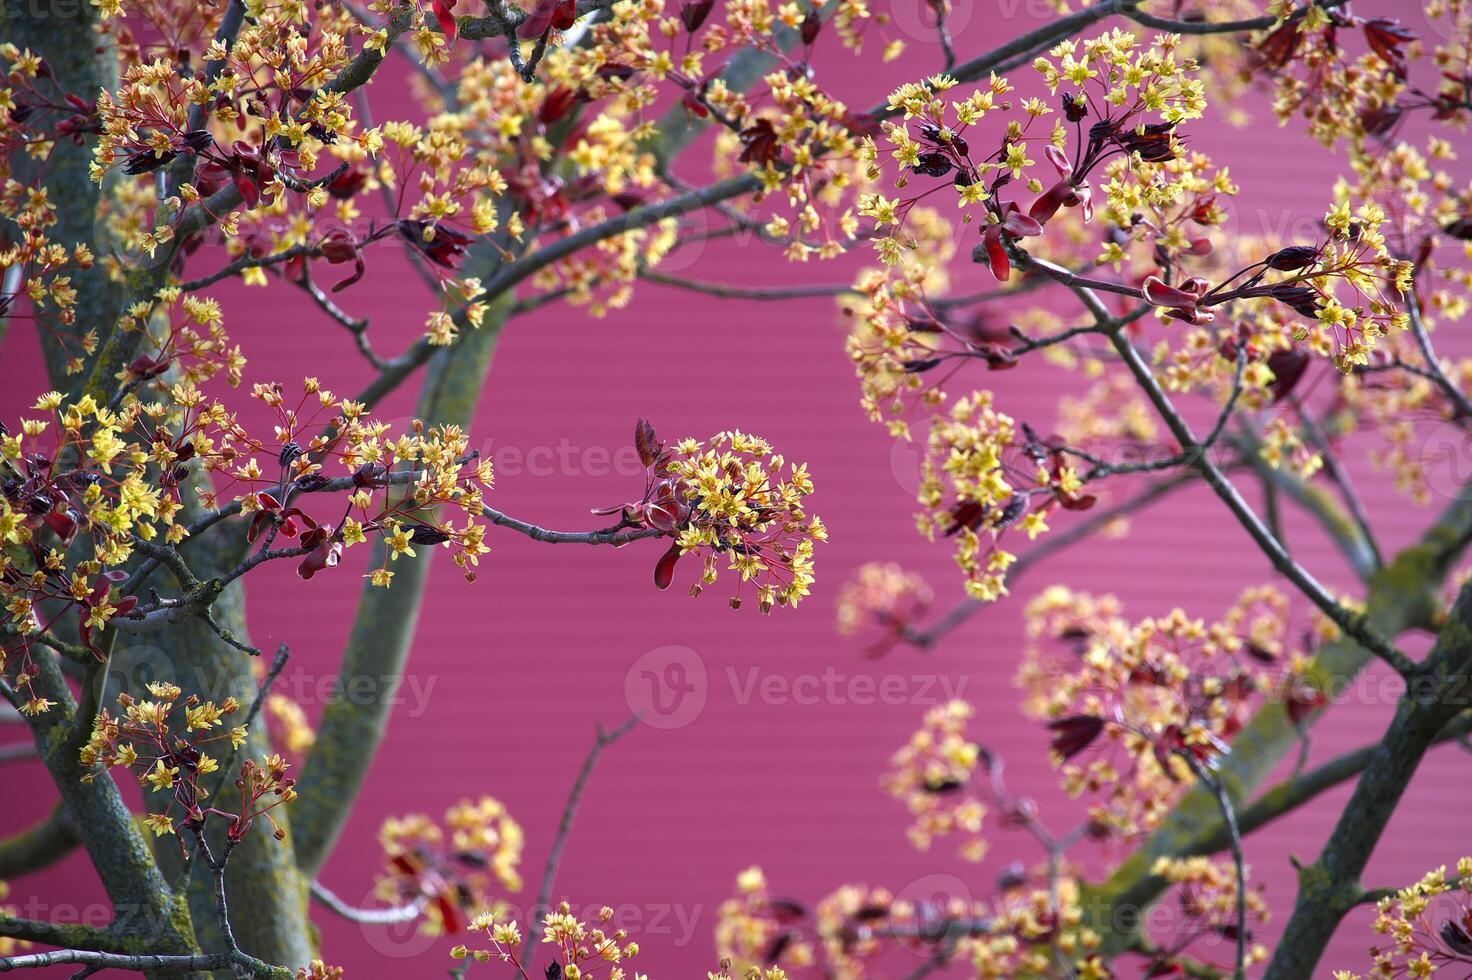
(1234, 838)
(602, 740)
(746, 292)
(388, 916)
(1433, 363)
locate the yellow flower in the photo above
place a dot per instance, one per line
(161, 776)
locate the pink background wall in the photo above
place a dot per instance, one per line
(510, 674)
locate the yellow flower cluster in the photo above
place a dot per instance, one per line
(1171, 205)
(742, 509)
(885, 597)
(1206, 890)
(455, 866)
(290, 725)
(932, 775)
(895, 339)
(849, 932)
(163, 740)
(1427, 927)
(38, 270)
(974, 487)
(755, 929)
(400, 483)
(583, 950)
(1140, 697)
(1425, 208)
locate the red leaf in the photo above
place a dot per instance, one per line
(664, 571)
(996, 253)
(692, 15)
(646, 442)
(1077, 501)
(62, 523)
(451, 914)
(1288, 367)
(1053, 198)
(1022, 225)
(694, 106)
(443, 14)
(548, 14)
(1075, 733)
(246, 185)
(1302, 701)
(1159, 293)
(325, 555)
(1279, 47)
(258, 523)
(759, 143)
(556, 104)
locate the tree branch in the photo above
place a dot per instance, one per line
(1330, 887)
(388, 916)
(43, 843)
(601, 741)
(1355, 624)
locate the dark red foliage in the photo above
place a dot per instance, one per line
(548, 15)
(647, 443)
(1279, 47)
(338, 247)
(1301, 702)
(1303, 299)
(326, 554)
(760, 144)
(811, 25)
(347, 184)
(1075, 733)
(557, 103)
(245, 167)
(664, 569)
(1387, 39)
(1292, 258)
(445, 247)
(1288, 367)
(692, 15)
(444, 13)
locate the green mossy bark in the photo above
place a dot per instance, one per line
(1402, 595)
(1330, 887)
(147, 911)
(268, 897)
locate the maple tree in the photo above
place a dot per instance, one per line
(157, 149)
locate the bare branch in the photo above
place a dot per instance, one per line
(601, 741)
(1434, 369)
(386, 916)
